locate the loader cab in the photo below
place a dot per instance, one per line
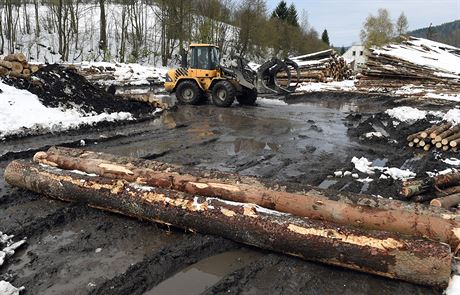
(204, 57)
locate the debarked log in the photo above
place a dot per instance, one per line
(348, 209)
(386, 254)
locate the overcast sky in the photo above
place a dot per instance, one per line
(343, 19)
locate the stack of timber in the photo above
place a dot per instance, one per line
(416, 63)
(440, 191)
(384, 237)
(16, 65)
(443, 136)
(323, 66)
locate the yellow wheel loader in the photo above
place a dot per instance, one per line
(205, 77)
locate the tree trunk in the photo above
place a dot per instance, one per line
(103, 30)
(419, 260)
(358, 210)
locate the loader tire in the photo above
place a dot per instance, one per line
(188, 92)
(248, 97)
(223, 94)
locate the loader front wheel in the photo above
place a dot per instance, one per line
(188, 92)
(223, 94)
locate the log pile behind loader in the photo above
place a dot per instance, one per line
(443, 136)
(416, 63)
(323, 66)
(16, 65)
(382, 237)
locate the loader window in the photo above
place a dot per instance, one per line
(200, 58)
(214, 58)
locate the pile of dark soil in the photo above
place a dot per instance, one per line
(388, 151)
(58, 86)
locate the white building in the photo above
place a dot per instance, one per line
(355, 56)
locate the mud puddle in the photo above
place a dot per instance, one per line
(202, 275)
(74, 258)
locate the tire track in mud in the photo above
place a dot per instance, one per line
(280, 274)
(159, 266)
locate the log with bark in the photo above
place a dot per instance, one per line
(416, 260)
(16, 57)
(16, 66)
(414, 187)
(442, 136)
(342, 208)
(447, 201)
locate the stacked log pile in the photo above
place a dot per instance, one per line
(443, 136)
(383, 237)
(440, 191)
(410, 64)
(323, 66)
(16, 65)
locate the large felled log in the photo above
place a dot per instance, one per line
(358, 210)
(412, 259)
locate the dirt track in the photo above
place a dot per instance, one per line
(72, 249)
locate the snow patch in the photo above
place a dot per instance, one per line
(346, 85)
(373, 134)
(270, 102)
(22, 113)
(452, 161)
(452, 116)
(8, 289)
(454, 286)
(406, 114)
(365, 166)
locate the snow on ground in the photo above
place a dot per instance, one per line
(406, 114)
(8, 289)
(21, 113)
(128, 74)
(453, 116)
(8, 249)
(346, 85)
(365, 166)
(433, 55)
(452, 161)
(261, 101)
(410, 114)
(454, 286)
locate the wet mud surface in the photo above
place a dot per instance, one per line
(72, 249)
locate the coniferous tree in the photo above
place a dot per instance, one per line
(292, 17)
(281, 11)
(325, 37)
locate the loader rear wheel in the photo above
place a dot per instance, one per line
(223, 94)
(188, 92)
(248, 97)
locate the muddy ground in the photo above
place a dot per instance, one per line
(72, 249)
